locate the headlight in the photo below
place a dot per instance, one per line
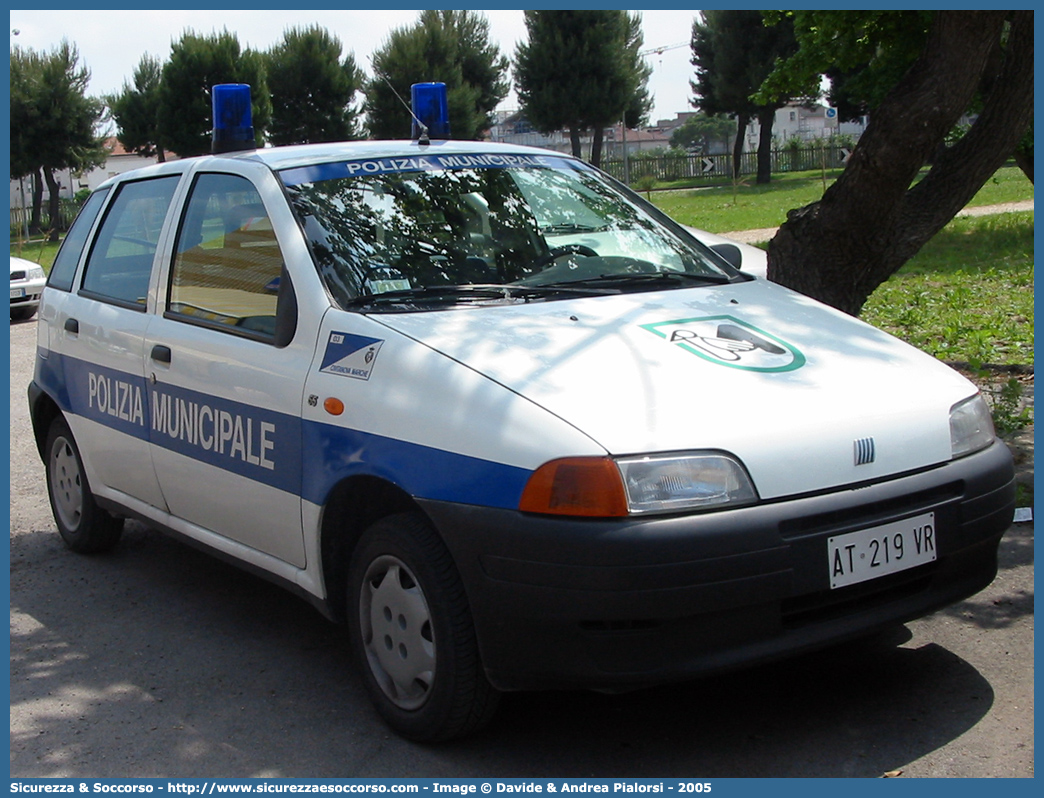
(603, 487)
(971, 426)
(666, 483)
(36, 273)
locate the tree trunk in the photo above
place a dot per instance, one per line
(870, 222)
(596, 146)
(574, 140)
(35, 225)
(742, 120)
(766, 116)
(54, 204)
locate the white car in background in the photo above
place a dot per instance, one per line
(27, 283)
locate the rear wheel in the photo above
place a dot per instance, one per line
(413, 634)
(83, 525)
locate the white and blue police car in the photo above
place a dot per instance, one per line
(514, 426)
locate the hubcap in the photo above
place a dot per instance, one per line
(66, 484)
(397, 632)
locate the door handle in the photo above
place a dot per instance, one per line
(161, 354)
(72, 325)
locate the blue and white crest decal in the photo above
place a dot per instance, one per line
(350, 355)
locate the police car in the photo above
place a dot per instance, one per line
(514, 426)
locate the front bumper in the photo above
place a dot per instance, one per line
(613, 604)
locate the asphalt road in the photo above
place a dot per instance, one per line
(159, 661)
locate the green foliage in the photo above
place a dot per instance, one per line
(24, 111)
(863, 52)
(733, 52)
(450, 47)
(1010, 413)
(136, 109)
(53, 122)
(312, 88)
(582, 69)
(196, 64)
(700, 132)
(645, 183)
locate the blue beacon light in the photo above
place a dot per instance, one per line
(430, 111)
(233, 122)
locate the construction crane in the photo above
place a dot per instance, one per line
(623, 124)
(662, 50)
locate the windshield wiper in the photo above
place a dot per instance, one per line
(478, 292)
(644, 278)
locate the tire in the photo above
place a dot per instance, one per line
(21, 314)
(84, 526)
(412, 633)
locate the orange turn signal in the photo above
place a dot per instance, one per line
(333, 406)
(583, 486)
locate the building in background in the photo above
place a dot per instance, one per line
(118, 162)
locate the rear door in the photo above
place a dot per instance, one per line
(96, 333)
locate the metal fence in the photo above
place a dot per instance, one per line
(20, 217)
(679, 166)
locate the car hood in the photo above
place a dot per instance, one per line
(786, 384)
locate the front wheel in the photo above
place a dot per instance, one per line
(413, 635)
(21, 314)
(84, 526)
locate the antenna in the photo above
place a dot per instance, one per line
(422, 138)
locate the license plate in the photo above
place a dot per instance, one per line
(17, 293)
(881, 550)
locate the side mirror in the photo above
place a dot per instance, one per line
(286, 310)
(731, 253)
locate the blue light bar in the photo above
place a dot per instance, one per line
(233, 121)
(431, 108)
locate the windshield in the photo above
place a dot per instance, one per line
(414, 233)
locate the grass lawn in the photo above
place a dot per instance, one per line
(722, 209)
(968, 295)
(41, 252)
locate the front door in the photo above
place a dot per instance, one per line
(225, 386)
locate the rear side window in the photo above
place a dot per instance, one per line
(228, 265)
(120, 262)
(64, 269)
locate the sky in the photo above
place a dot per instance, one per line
(111, 43)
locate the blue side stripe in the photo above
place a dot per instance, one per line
(306, 458)
(423, 471)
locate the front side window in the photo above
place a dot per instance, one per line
(412, 234)
(121, 259)
(227, 264)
